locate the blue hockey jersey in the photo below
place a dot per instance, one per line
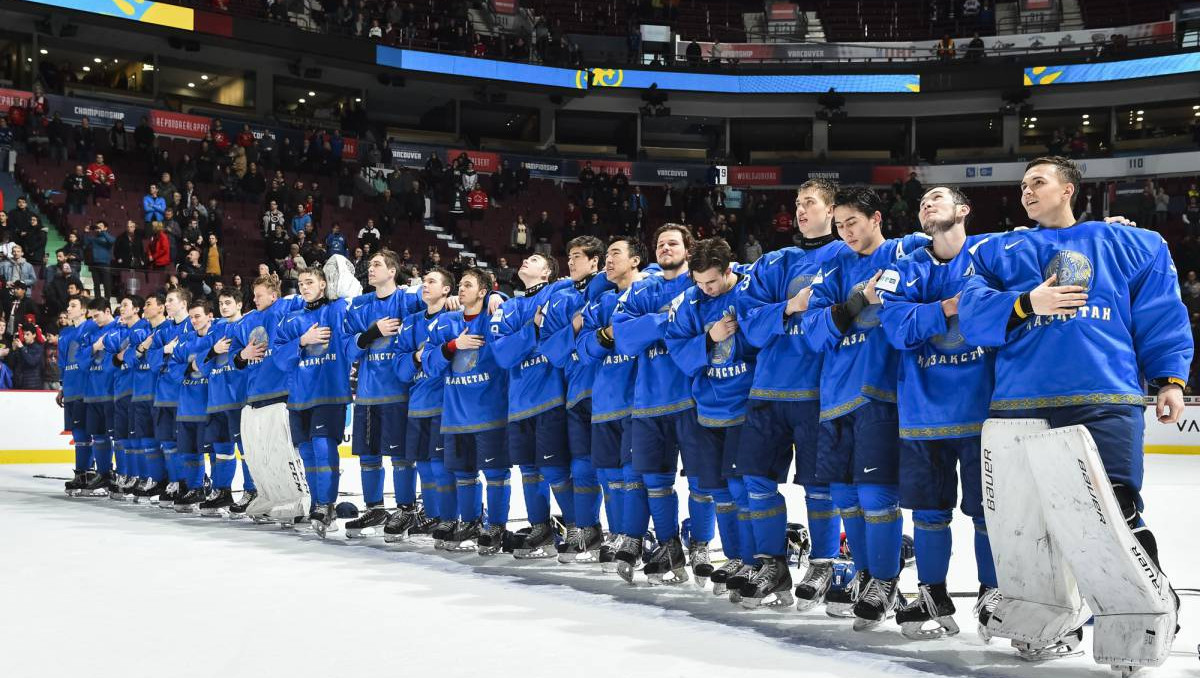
(226, 383)
(145, 378)
(265, 379)
(70, 348)
(170, 373)
(189, 354)
(321, 372)
(1134, 325)
(534, 384)
(721, 374)
(101, 373)
(616, 372)
(860, 364)
(476, 386)
(639, 324)
(378, 382)
(426, 392)
(787, 367)
(945, 383)
(558, 335)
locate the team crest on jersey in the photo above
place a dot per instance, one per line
(1072, 268)
(259, 335)
(71, 351)
(869, 316)
(465, 360)
(313, 350)
(223, 359)
(722, 351)
(800, 282)
(950, 340)
(381, 343)
(193, 371)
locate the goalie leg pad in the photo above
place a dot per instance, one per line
(1131, 598)
(276, 466)
(1041, 601)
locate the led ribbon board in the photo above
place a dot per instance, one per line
(158, 13)
(1117, 70)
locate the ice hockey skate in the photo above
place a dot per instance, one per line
(190, 501)
(839, 602)
(880, 600)
(537, 543)
(464, 537)
(323, 520)
(607, 555)
(628, 556)
(399, 524)
(582, 547)
(932, 604)
(812, 589)
(985, 604)
(217, 503)
(771, 585)
(668, 564)
(98, 486)
(238, 510)
(369, 524)
(75, 485)
(721, 575)
(701, 561)
(491, 540)
(738, 580)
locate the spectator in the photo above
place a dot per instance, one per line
(752, 250)
(158, 247)
(335, 242)
(781, 224)
(214, 259)
(272, 217)
(913, 192)
(58, 137)
(293, 263)
(17, 268)
(390, 213)
(20, 216)
(301, 220)
(1087, 207)
(84, 141)
(57, 292)
(414, 205)
(520, 239)
(693, 54)
(128, 252)
(191, 274)
(505, 277)
(543, 235)
(153, 205)
(216, 218)
(345, 189)
(1162, 202)
(78, 188)
(361, 263)
(118, 140)
(254, 184)
(369, 237)
(477, 204)
(1146, 205)
(166, 187)
(32, 239)
(1191, 290)
(277, 247)
(27, 357)
(143, 138)
(73, 250)
(193, 238)
(945, 48)
(49, 273)
(975, 47)
(18, 307)
(7, 143)
(587, 182)
(102, 178)
(1191, 217)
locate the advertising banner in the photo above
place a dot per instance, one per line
(179, 124)
(754, 175)
(484, 162)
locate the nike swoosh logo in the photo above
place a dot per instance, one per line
(438, 449)
(547, 456)
(911, 283)
(1011, 245)
(509, 315)
(639, 290)
(490, 459)
(695, 301)
(406, 328)
(868, 470)
(319, 427)
(392, 447)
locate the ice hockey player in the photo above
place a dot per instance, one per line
(381, 399)
(1080, 314)
(560, 330)
(626, 507)
(226, 398)
(98, 394)
(145, 380)
(474, 413)
(157, 350)
(664, 414)
(70, 348)
(536, 433)
(704, 339)
(194, 433)
(860, 453)
(423, 436)
(121, 347)
(313, 343)
(939, 434)
(267, 387)
(784, 403)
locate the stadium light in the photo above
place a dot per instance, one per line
(98, 60)
(312, 94)
(87, 69)
(203, 76)
(45, 51)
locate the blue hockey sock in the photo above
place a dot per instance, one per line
(102, 451)
(537, 495)
(446, 493)
(431, 500)
(499, 494)
(727, 521)
(118, 453)
(612, 488)
(559, 480)
(664, 505)
(768, 515)
(247, 479)
(823, 522)
(171, 462)
(154, 466)
(469, 497)
(370, 469)
(224, 466)
(587, 492)
(194, 470)
(83, 450)
(984, 565)
(137, 465)
(702, 511)
(932, 542)
(747, 549)
(325, 451)
(845, 498)
(635, 509)
(404, 481)
(884, 527)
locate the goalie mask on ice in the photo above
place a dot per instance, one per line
(1059, 538)
(340, 280)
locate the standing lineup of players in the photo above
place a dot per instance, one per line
(842, 361)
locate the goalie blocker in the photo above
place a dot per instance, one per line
(1062, 526)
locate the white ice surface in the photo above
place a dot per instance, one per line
(97, 588)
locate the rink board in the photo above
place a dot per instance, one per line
(31, 430)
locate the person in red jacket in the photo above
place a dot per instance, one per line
(477, 203)
(158, 247)
(102, 178)
(245, 139)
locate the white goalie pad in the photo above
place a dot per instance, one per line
(340, 280)
(1041, 601)
(1131, 599)
(275, 465)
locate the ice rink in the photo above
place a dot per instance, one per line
(100, 588)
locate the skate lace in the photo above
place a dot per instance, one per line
(925, 596)
(875, 595)
(732, 566)
(988, 601)
(766, 572)
(818, 573)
